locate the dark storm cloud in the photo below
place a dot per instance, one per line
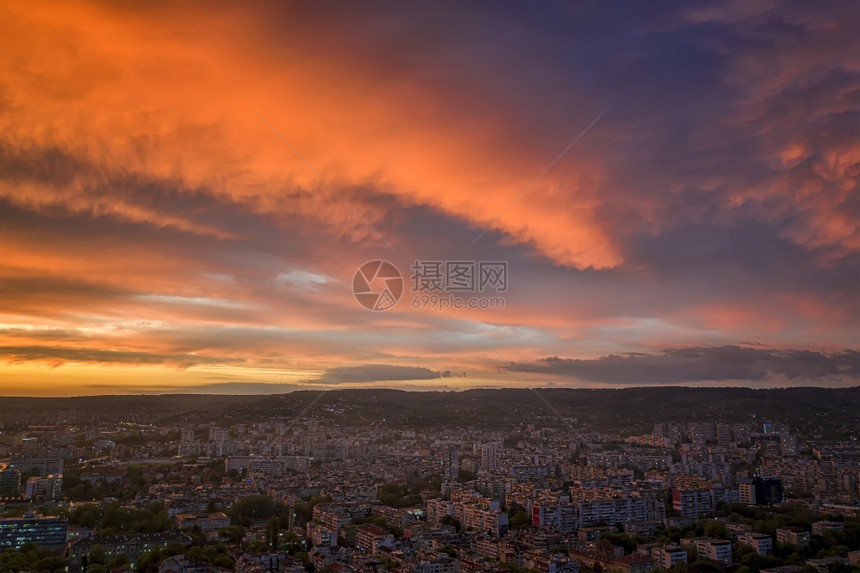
(751, 254)
(377, 373)
(698, 364)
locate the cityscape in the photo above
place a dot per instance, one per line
(430, 286)
(219, 487)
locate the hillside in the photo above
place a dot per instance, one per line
(815, 411)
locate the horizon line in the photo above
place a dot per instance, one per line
(430, 391)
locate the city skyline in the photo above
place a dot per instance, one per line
(187, 195)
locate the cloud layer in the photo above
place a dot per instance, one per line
(150, 218)
(716, 364)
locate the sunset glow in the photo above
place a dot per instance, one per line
(675, 194)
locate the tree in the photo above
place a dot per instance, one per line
(604, 545)
(519, 519)
(97, 554)
(252, 507)
(150, 561)
(626, 542)
(85, 517)
(305, 510)
(716, 529)
(449, 520)
(255, 546)
(232, 533)
(466, 475)
(706, 566)
(272, 534)
(31, 558)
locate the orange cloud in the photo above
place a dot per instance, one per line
(179, 103)
(158, 220)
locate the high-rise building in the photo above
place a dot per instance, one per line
(451, 464)
(789, 444)
(710, 430)
(10, 481)
(490, 456)
(724, 435)
(45, 532)
(698, 434)
(187, 435)
(692, 502)
(746, 488)
(768, 490)
(743, 433)
(558, 517)
(761, 491)
(132, 546)
(328, 451)
(42, 465)
(49, 488)
(219, 435)
(675, 433)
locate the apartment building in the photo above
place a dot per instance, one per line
(669, 556)
(761, 543)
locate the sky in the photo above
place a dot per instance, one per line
(187, 191)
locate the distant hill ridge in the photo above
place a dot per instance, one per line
(828, 409)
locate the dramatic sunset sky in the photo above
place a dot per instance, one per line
(160, 232)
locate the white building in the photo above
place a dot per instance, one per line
(490, 456)
(761, 543)
(719, 550)
(669, 556)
